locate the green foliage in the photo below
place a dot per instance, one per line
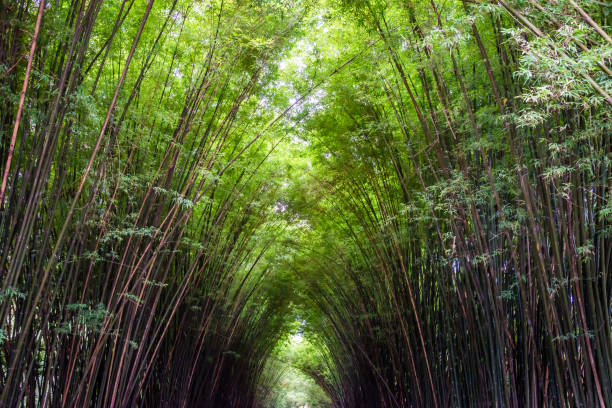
(434, 206)
(11, 293)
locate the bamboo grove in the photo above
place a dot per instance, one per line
(130, 264)
(420, 189)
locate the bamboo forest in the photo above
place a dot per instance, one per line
(305, 203)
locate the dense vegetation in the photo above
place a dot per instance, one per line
(268, 203)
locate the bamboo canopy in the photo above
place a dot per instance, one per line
(305, 203)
